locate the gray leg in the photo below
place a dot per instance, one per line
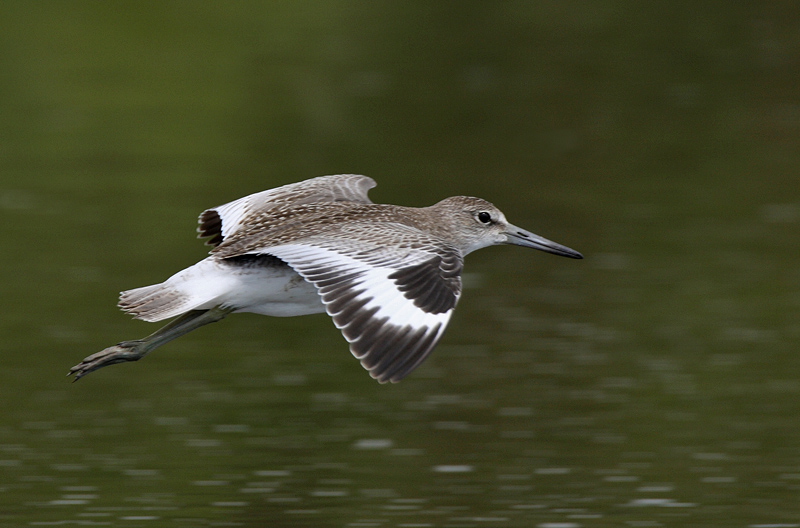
(137, 349)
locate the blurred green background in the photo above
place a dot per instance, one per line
(654, 383)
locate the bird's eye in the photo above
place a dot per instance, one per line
(484, 217)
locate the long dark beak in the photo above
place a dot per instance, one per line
(520, 237)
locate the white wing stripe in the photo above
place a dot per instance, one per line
(386, 330)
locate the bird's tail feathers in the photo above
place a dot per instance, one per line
(155, 303)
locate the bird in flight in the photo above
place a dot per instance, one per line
(389, 276)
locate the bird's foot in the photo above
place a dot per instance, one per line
(119, 353)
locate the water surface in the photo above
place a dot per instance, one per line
(655, 383)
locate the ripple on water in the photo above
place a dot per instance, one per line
(658, 502)
(453, 468)
(272, 473)
(373, 443)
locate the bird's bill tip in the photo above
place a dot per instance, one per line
(520, 237)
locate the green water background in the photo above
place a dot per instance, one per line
(655, 383)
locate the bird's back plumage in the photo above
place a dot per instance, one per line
(219, 222)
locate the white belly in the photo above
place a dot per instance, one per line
(274, 290)
(278, 295)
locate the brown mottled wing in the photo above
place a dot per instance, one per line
(392, 309)
(222, 221)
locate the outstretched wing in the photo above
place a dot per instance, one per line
(391, 308)
(224, 220)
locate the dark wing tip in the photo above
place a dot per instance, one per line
(210, 225)
(390, 352)
(434, 285)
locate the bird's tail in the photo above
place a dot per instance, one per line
(154, 303)
(198, 287)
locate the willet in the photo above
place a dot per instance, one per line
(389, 276)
